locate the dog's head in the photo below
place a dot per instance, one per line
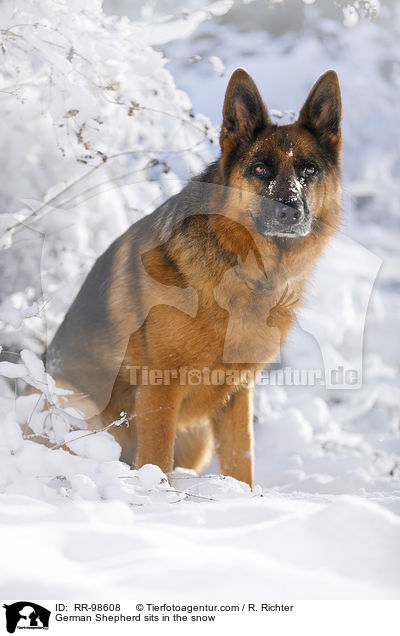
(287, 177)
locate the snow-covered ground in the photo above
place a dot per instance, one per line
(324, 519)
(295, 546)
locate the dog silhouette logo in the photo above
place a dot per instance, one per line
(26, 615)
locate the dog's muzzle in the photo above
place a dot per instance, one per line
(280, 219)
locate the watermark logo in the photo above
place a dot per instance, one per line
(26, 615)
(285, 376)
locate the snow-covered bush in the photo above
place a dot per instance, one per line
(88, 109)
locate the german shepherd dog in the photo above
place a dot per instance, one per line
(209, 283)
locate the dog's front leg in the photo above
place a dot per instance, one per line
(233, 427)
(156, 412)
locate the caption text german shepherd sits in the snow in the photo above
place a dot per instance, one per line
(192, 298)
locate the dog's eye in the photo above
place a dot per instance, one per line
(259, 169)
(309, 170)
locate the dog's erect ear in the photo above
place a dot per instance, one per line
(244, 113)
(322, 110)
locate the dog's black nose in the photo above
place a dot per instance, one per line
(287, 215)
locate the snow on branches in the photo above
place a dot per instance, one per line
(88, 108)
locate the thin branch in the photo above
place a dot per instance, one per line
(36, 214)
(124, 420)
(189, 494)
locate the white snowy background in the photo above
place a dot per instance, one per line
(105, 112)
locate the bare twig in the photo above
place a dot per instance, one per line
(123, 421)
